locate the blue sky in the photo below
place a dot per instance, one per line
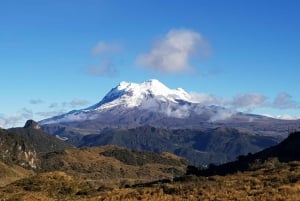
(60, 55)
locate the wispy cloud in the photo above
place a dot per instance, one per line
(78, 102)
(16, 119)
(50, 113)
(105, 68)
(105, 52)
(103, 47)
(36, 101)
(285, 101)
(207, 99)
(53, 105)
(172, 53)
(23, 114)
(283, 116)
(248, 101)
(26, 113)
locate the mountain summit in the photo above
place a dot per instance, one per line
(135, 95)
(134, 104)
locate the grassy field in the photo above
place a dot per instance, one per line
(271, 180)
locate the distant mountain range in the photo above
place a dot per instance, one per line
(150, 116)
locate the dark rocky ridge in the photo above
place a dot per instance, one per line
(23, 146)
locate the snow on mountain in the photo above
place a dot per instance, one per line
(131, 95)
(150, 96)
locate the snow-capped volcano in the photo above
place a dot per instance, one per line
(131, 105)
(129, 95)
(144, 102)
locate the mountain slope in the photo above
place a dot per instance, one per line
(286, 151)
(213, 146)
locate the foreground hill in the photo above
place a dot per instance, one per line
(112, 164)
(11, 173)
(272, 181)
(23, 146)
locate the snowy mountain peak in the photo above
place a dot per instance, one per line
(150, 85)
(133, 94)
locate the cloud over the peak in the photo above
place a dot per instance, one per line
(173, 52)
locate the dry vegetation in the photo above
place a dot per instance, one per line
(11, 173)
(271, 180)
(120, 166)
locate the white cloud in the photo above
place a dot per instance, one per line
(222, 115)
(105, 48)
(172, 53)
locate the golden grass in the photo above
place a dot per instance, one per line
(9, 174)
(279, 181)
